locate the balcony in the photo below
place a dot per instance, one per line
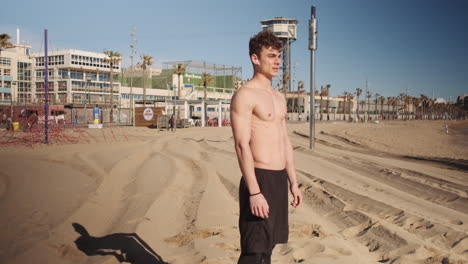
(5, 90)
(6, 78)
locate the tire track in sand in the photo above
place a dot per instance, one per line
(388, 231)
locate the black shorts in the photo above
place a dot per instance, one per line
(261, 235)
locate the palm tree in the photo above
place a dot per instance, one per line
(143, 64)
(376, 101)
(286, 79)
(205, 81)
(112, 58)
(424, 101)
(238, 83)
(350, 98)
(382, 102)
(345, 96)
(416, 105)
(323, 92)
(4, 43)
(394, 106)
(328, 86)
(402, 98)
(179, 71)
(358, 93)
(389, 101)
(300, 87)
(368, 96)
(362, 103)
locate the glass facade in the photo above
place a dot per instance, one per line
(24, 71)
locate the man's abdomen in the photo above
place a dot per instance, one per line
(268, 151)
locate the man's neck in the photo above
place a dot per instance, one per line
(263, 81)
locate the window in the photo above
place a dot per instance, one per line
(91, 75)
(76, 75)
(24, 71)
(63, 74)
(5, 61)
(62, 86)
(7, 72)
(103, 77)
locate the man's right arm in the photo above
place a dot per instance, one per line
(241, 117)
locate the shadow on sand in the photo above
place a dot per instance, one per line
(126, 247)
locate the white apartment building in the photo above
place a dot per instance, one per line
(15, 74)
(75, 77)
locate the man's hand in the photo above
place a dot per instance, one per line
(259, 206)
(297, 196)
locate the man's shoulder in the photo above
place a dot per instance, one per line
(246, 92)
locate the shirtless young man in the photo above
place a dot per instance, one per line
(258, 115)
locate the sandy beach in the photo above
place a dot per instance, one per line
(389, 192)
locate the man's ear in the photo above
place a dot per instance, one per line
(255, 59)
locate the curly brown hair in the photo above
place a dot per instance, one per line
(264, 39)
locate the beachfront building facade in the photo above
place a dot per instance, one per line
(15, 74)
(76, 78)
(344, 108)
(326, 108)
(164, 87)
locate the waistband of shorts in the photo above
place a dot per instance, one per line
(269, 171)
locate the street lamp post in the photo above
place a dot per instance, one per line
(87, 99)
(13, 83)
(174, 126)
(312, 48)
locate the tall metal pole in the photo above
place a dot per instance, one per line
(132, 45)
(173, 109)
(86, 102)
(46, 85)
(312, 48)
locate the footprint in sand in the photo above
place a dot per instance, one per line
(186, 237)
(302, 250)
(456, 222)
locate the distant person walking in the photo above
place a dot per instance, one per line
(171, 122)
(264, 152)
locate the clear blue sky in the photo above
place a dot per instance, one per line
(419, 45)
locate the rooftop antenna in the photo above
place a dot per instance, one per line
(17, 36)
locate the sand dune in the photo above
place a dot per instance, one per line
(392, 192)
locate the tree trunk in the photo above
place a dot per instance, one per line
(357, 112)
(344, 109)
(205, 113)
(111, 93)
(178, 96)
(144, 87)
(321, 108)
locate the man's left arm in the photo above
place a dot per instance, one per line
(290, 169)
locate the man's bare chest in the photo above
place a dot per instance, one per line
(270, 108)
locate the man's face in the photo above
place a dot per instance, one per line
(269, 62)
